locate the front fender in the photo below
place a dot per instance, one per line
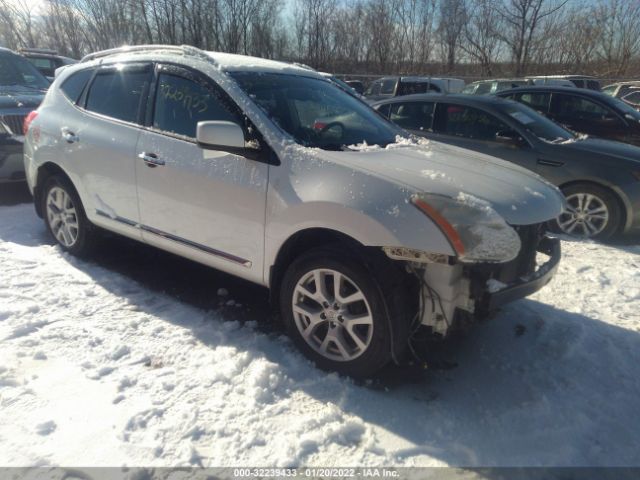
(310, 192)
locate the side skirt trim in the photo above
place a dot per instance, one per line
(174, 238)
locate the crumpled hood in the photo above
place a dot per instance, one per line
(17, 97)
(599, 147)
(520, 196)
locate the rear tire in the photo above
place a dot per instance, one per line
(65, 218)
(354, 331)
(593, 212)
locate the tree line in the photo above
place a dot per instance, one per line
(471, 38)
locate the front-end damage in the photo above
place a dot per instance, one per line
(453, 292)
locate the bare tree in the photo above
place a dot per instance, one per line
(415, 19)
(522, 21)
(19, 24)
(453, 17)
(481, 38)
(619, 23)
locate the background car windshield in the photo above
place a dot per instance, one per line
(537, 124)
(315, 112)
(15, 70)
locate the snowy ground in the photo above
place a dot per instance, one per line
(99, 367)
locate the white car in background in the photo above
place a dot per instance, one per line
(363, 235)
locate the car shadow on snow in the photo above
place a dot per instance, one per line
(533, 386)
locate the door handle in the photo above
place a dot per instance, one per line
(151, 159)
(68, 135)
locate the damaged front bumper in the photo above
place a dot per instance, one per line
(526, 285)
(455, 293)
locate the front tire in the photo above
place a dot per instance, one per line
(593, 213)
(65, 218)
(337, 313)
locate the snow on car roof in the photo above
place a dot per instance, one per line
(234, 62)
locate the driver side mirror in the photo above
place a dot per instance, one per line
(220, 135)
(509, 137)
(228, 137)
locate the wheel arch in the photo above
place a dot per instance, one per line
(301, 241)
(621, 198)
(46, 171)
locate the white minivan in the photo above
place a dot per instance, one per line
(268, 171)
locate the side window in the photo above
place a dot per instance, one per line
(633, 97)
(467, 122)
(469, 88)
(384, 110)
(374, 88)
(412, 115)
(593, 84)
(180, 103)
(484, 88)
(73, 86)
(537, 101)
(574, 106)
(40, 62)
(388, 86)
(118, 93)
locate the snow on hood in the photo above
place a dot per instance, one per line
(520, 196)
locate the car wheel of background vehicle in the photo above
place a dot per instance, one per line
(65, 217)
(337, 312)
(593, 212)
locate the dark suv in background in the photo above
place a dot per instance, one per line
(22, 88)
(46, 61)
(582, 110)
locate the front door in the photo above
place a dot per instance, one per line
(203, 204)
(583, 115)
(480, 131)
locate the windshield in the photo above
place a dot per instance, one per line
(17, 71)
(315, 112)
(539, 125)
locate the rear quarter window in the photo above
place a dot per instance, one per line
(119, 93)
(73, 86)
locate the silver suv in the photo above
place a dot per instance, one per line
(272, 173)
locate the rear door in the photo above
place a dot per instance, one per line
(477, 130)
(203, 204)
(101, 143)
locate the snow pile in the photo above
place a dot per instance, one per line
(96, 369)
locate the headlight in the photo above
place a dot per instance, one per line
(475, 230)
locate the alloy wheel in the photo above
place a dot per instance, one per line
(586, 216)
(332, 315)
(62, 217)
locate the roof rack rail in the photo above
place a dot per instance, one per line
(184, 49)
(46, 51)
